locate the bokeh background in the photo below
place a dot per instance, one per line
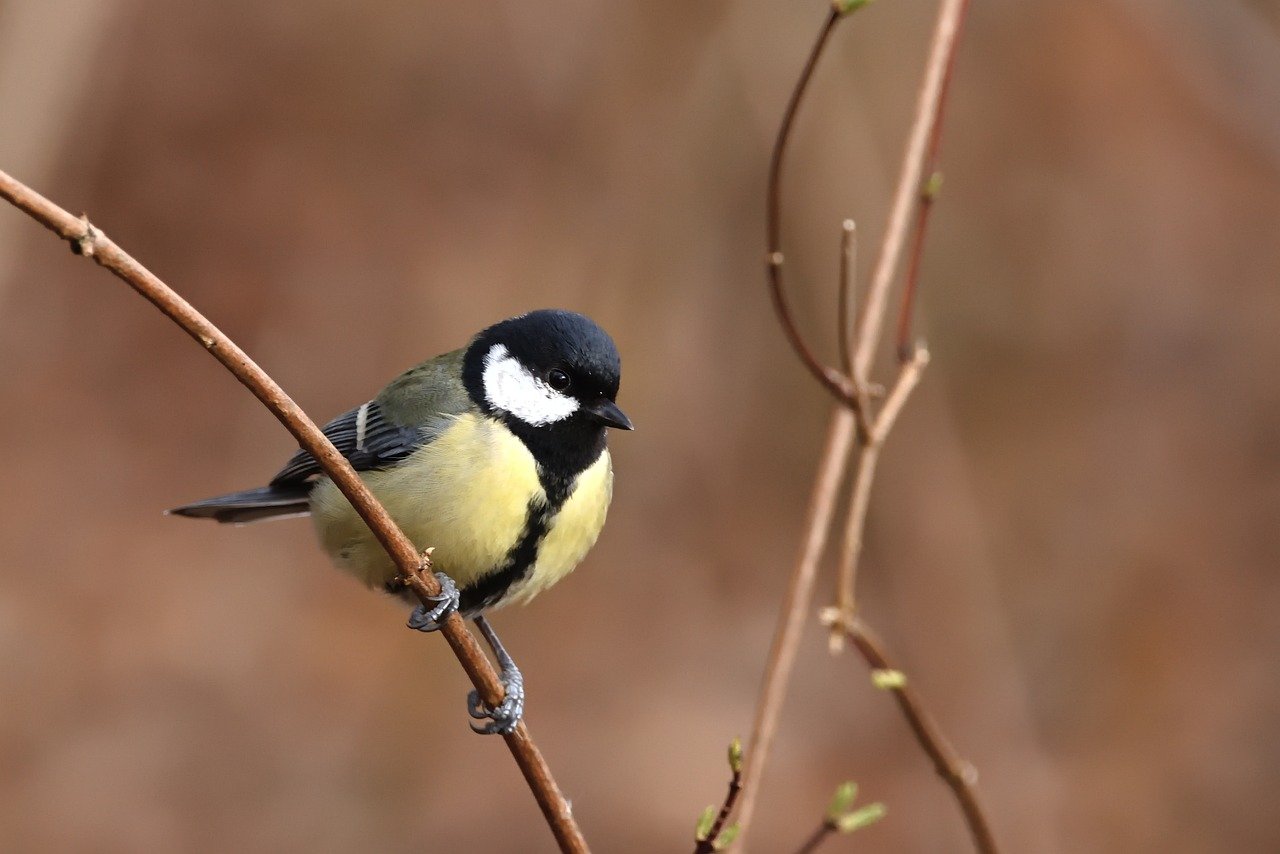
(1073, 541)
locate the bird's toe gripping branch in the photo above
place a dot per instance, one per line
(426, 619)
(503, 718)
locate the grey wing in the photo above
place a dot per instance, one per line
(365, 436)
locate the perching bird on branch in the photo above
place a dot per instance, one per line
(493, 455)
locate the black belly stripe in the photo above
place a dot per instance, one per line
(519, 562)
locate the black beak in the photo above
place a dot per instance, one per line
(607, 413)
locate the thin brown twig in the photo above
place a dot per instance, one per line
(906, 311)
(846, 423)
(832, 380)
(847, 298)
(820, 833)
(840, 616)
(87, 240)
(928, 195)
(847, 319)
(958, 774)
(835, 456)
(795, 605)
(928, 112)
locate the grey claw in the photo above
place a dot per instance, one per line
(431, 620)
(506, 715)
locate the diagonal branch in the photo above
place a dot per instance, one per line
(960, 776)
(795, 605)
(929, 188)
(840, 617)
(928, 114)
(87, 240)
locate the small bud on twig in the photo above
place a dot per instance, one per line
(861, 817)
(932, 186)
(735, 756)
(842, 800)
(888, 680)
(844, 7)
(703, 828)
(842, 817)
(725, 839)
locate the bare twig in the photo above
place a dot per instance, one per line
(847, 298)
(831, 466)
(928, 113)
(850, 390)
(839, 617)
(929, 189)
(847, 319)
(795, 605)
(959, 775)
(87, 240)
(836, 383)
(906, 310)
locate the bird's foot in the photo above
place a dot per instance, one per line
(426, 619)
(504, 717)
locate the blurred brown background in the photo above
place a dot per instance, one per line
(1073, 540)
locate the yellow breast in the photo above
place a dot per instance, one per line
(467, 494)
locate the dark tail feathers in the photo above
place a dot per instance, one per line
(252, 505)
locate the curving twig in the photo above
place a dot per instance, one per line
(836, 383)
(90, 242)
(960, 776)
(850, 389)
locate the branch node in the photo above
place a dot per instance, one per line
(87, 243)
(839, 622)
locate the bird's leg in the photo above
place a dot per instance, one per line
(506, 715)
(426, 619)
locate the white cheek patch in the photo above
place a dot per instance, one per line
(509, 386)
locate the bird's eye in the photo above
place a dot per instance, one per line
(558, 379)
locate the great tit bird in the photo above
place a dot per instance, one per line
(494, 455)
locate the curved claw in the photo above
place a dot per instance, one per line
(430, 620)
(503, 718)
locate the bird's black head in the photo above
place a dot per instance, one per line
(552, 377)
